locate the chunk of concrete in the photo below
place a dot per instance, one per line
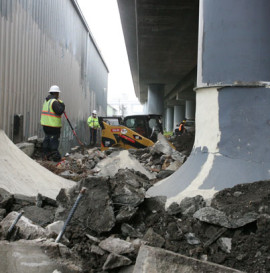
(189, 205)
(125, 214)
(27, 148)
(174, 166)
(153, 239)
(216, 217)
(116, 245)
(115, 260)
(212, 216)
(6, 199)
(55, 227)
(120, 160)
(162, 146)
(225, 244)
(128, 230)
(95, 209)
(157, 260)
(27, 229)
(39, 216)
(21, 174)
(34, 257)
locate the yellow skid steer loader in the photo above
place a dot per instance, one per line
(132, 132)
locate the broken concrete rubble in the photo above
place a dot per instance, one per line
(116, 209)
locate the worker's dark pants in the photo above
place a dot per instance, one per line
(93, 136)
(50, 147)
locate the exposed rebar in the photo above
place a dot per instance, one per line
(70, 215)
(13, 224)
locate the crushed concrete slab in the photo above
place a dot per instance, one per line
(152, 259)
(34, 257)
(20, 174)
(120, 160)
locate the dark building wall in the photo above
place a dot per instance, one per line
(43, 43)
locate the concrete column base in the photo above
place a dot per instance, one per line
(232, 144)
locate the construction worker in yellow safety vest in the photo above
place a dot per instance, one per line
(51, 113)
(93, 125)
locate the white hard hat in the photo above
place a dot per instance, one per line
(55, 88)
(94, 112)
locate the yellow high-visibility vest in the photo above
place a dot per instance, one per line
(48, 116)
(93, 122)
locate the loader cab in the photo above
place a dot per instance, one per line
(146, 125)
(115, 121)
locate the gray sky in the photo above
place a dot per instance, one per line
(103, 19)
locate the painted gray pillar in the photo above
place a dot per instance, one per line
(145, 111)
(232, 143)
(190, 109)
(169, 119)
(155, 100)
(179, 114)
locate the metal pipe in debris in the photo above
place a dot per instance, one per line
(70, 215)
(14, 223)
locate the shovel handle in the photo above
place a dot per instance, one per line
(73, 131)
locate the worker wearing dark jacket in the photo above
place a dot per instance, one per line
(51, 113)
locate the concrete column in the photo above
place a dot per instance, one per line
(232, 143)
(179, 114)
(190, 109)
(169, 119)
(145, 110)
(155, 99)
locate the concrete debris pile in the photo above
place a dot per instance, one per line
(183, 143)
(117, 228)
(115, 219)
(155, 162)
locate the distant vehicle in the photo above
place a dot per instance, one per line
(136, 131)
(190, 125)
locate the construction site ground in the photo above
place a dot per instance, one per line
(115, 217)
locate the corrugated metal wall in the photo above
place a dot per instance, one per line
(42, 43)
